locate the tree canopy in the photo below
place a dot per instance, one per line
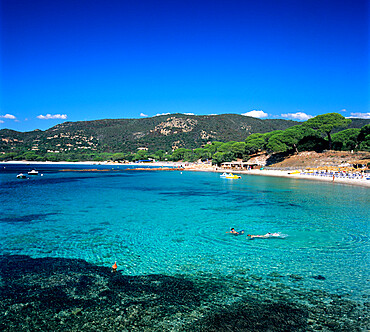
(283, 141)
(364, 138)
(325, 123)
(255, 143)
(314, 134)
(346, 139)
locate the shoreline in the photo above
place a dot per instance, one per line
(92, 163)
(285, 174)
(207, 168)
(354, 182)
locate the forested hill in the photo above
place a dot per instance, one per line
(163, 132)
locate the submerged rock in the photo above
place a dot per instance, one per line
(255, 277)
(275, 275)
(54, 294)
(296, 277)
(319, 277)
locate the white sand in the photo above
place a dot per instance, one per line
(356, 182)
(208, 168)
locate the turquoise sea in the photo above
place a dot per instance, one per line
(174, 224)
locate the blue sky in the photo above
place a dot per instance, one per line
(65, 60)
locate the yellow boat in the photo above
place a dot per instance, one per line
(230, 176)
(294, 172)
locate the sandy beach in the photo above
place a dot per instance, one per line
(208, 168)
(356, 182)
(286, 174)
(64, 232)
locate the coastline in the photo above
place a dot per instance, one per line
(66, 282)
(92, 163)
(355, 182)
(208, 168)
(285, 174)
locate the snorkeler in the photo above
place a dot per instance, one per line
(233, 231)
(266, 236)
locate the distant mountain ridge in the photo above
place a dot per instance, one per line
(165, 132)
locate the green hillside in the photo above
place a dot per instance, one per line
(99, 139)
(164, 132)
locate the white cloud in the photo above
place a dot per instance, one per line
(189, 114)
(54, 116)
(1, 121)
(360, 115)
(159, 114)
(8, 116)
(343, 110)
(297, 116)
(143, 115)
(256, 114)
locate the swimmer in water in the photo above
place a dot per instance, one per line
(233, 231)
(259, 236)
(266, 236)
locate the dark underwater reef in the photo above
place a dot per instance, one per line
(54, 294)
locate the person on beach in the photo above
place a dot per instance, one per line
(233, 231)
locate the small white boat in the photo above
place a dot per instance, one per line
(21, 176)
(33, 172)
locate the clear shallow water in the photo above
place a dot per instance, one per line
(175, 223)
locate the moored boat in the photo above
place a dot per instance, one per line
(21, 176)
(33, 172)
(230, 176)
(233, 176)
